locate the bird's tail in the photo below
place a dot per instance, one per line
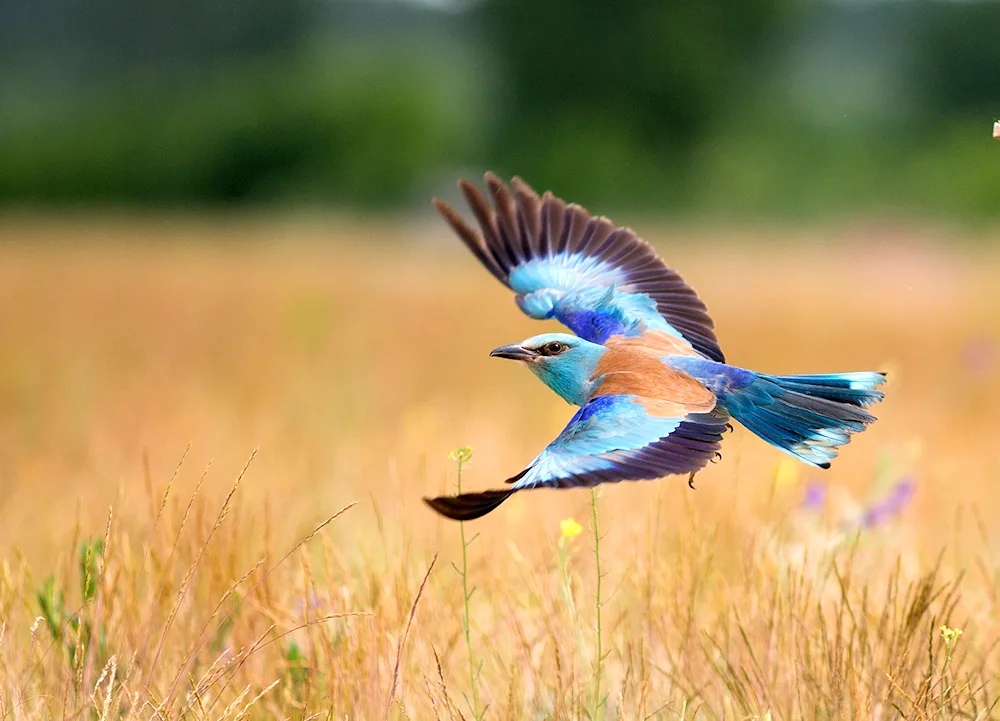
(808, 416)
(468, 506)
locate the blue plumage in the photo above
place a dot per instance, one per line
(807, 419)
(593, 440)
(808, 416)
(645, 367)
(592, 299)
(571, 374)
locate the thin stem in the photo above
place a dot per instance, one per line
(568, 584)
(466, 595)
(597, 605)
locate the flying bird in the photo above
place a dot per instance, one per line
(654, 391)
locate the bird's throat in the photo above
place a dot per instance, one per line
(572, 379)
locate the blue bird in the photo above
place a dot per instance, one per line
(654, 389)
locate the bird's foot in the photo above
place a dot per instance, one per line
(691, 481)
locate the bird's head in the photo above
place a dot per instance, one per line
(565, 363)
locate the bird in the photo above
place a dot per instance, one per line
(654, 392)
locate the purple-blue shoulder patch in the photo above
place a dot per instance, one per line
(594, 325)
(593, 407)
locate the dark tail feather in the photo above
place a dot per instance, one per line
(468, 506)
(808, 416)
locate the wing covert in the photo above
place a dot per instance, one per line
(615, 438)
(561, 262)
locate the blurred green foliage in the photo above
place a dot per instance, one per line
(77, 629)
(624, 94)
(770, 107)
(359, 129)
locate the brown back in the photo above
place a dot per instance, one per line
(632, 366)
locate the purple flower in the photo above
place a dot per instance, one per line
(312, 602)
(815, 496)
(891, 505)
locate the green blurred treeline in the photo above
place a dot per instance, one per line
(724, 106)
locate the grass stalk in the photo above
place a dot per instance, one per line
(462, 456)
(598, 666)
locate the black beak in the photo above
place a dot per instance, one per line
(514, 351)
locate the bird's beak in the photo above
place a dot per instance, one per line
(514, 351)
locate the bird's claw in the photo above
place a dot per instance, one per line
(691, 481)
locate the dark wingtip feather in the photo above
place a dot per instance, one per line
(472, 239)
(480, 207)
(467, 186)
(443, 208)
(519, 186)
(519, 476)
(455, 220)
(468, 506)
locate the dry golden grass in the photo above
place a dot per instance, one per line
(138, 378)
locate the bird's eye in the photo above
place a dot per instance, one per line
(553, 348)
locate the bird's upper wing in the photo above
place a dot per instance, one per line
(619, 438)
(563, 263)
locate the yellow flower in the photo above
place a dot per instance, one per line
(461, 455)
(787, 473)
(568, 528)
(950, 635)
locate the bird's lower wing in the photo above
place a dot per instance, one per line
(610, 439)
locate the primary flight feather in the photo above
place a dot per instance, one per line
(645, 367)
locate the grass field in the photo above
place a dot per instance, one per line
(178, 415)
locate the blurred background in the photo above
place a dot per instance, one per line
(756, 108)
(215, 228)
(215, 225)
